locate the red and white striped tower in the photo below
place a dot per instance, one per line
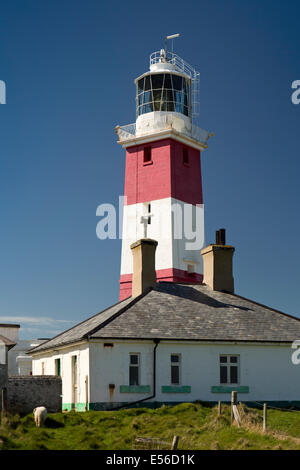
(163, 187)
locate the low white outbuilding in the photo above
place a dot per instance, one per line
(18, 361)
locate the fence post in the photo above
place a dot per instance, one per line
(265, 418)
(175, 443)
(219, 408)
(86, 393)
(233, 402)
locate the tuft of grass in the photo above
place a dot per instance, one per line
(197, 424)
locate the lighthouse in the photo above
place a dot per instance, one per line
(163, 185)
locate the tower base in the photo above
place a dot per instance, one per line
(167, 275)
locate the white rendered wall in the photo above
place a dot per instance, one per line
(2, 354)
(110, 365)
(267, 370)
(176, 241)
(22, 366)
(161, 120)
(65, 355)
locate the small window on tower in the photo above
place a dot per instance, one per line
(185, 155)
(190, 268)
(147, 155)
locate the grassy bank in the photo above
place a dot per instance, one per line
(198, 426)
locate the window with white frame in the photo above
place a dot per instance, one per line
(134, 369)
(175, 369)
(229, 369)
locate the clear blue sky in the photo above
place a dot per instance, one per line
(69, 68)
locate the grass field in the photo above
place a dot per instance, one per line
(198, 426)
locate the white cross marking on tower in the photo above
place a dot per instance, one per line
(145, 221)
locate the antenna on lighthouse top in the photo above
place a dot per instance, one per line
(173, 36)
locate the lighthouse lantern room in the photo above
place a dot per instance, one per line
(163, 188)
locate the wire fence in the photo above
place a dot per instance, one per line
(275, 407)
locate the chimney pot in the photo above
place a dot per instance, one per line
(221, 236)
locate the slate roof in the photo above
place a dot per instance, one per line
(184, 312)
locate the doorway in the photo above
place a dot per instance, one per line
(74, 382)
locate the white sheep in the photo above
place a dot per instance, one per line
(40, 414)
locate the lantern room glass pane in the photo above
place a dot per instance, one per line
(141, 85)
(147, 85)
(177, 107)
(170, 96)
(147, 96)
(147, 108)
(170, 106)
(177, 95)
(157, 81)
(177, 82)
(156, 106)
(185, 88)
(167, 82)
(157, 95)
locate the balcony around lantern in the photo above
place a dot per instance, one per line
(160, 122)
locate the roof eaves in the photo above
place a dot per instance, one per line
(206, 340)
(43, 347)
(58, 346)
(39, 347)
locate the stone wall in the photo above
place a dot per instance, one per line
(3, 375)
(24, 393)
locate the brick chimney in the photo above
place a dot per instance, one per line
(144, 275)
(217, 264)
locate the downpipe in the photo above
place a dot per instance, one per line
(156, 341)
